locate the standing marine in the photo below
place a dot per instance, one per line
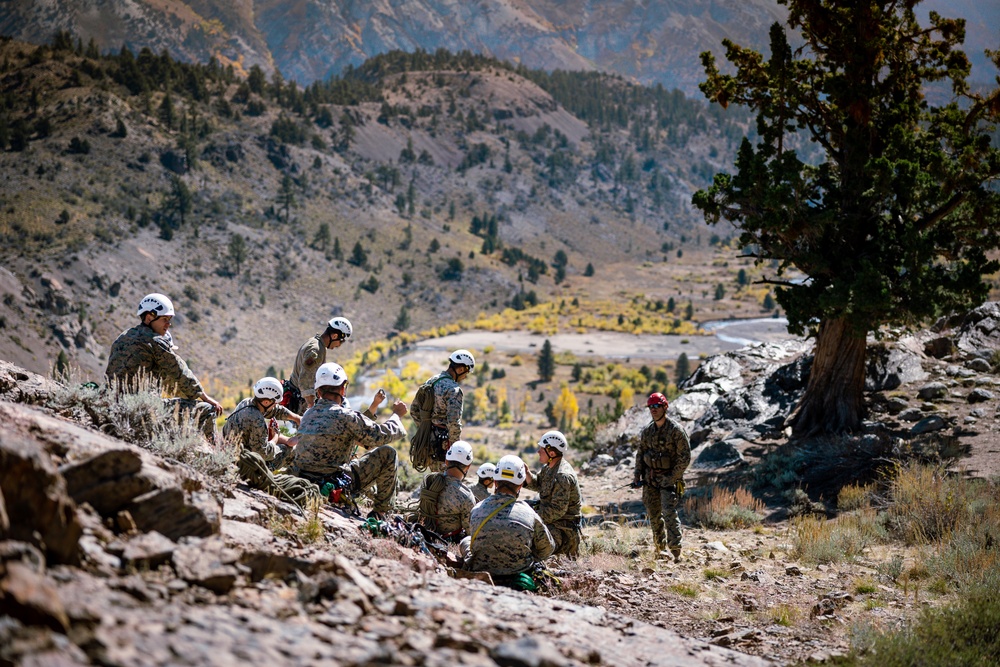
(663, 455)
(310, 357)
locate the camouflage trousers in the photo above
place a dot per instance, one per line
(283, 456)
(377, 468)
(199, 411)
(661, 508)
(566, 534)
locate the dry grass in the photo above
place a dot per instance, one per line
(854, 497)
(722, 508)
(821, 540)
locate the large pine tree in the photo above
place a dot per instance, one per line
(894, 226)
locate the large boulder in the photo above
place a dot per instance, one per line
(979, 331)
(39, 508)
(889, 366)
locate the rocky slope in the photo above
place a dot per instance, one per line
(111, 555)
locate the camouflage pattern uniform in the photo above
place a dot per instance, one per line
(447, 412)
(559, 505)
(512, 541)
(139, 351)
(246, 427)
(454, 504)
(660, 460)
(311, 356)
(327, 436)
(480, 492)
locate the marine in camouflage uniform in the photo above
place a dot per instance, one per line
(453, 507)
(312, 355)
(508, 542)
(145, 350)
(326, 441)
(447, 413)
(558, 495)
(480, 492)
(247, 427)
(663, 454)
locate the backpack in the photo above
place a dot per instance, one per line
(430, 491)
(423, 443)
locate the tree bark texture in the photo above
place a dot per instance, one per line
(833, 401)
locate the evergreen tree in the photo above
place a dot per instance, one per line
(768, 302)
(683, 368)
(179, 200)
(359, 256)
(402, 320)
(546, 362)
(896, 225)
(589, 271)
(238, 251)
(322, 237)
(286, 196)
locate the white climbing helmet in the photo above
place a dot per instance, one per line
(330, 375)
(486, 471)
(460, 452)
(343, 325)
(463, 357)
(268, 387)
(511, 469)
(158, 303)
(555, 440)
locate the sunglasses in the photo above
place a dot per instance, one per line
(658, 405)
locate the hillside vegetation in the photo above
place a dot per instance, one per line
(415, 191)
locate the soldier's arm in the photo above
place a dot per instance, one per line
(177, 378)
(284, 414)
(640, 465)
(556, 505)
(308, 376)
(371, 434)
(453, 414)
(682, 453)
(543, 545)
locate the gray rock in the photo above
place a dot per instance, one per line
(148, 550)
(891, 366)
(928, 425)
(177, 513)
(718, 455)
(911, 415)
(980, 396)
(760, 576)
(31, 597)
(959, 372)
(529, 651)
(979, 365)
(932, 391)
(207, 563)
(602, 461)
(895, 405)
(107, 481)
(939, 347)
(979, 331)
(978, 413)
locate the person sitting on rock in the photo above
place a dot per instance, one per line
(558, 494)
(508, 538)
(310, 357)
(146, 352)
(329, 433)
(661, 458)
(445, 500)
(482, 489)
(253, 424)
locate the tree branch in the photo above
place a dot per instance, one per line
(936, 216)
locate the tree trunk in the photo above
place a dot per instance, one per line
(833, 402)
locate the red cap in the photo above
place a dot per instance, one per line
(656, 399)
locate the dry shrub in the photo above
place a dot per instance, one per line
(820, 540)
(927, 503)
(617, 539)
(722, 508)
(854, 497)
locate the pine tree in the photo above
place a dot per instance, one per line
(322, 237)
(286, 196)
(898, 222)
(683, 368)
(402, 320)
(238, 251)
(546, 362)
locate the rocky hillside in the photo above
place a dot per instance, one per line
(437, 188)
(112, 555)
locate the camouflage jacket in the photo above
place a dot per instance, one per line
(329, 432)
(246, 426)
(662, 455)
(558, 492)
(311, 356)
(454, 505)
(480, 492)
(447, 412)
(140, 351)
(509, 542)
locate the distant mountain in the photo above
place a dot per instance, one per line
(648, 41)
(308, 40)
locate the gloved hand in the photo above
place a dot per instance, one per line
(636, 484)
